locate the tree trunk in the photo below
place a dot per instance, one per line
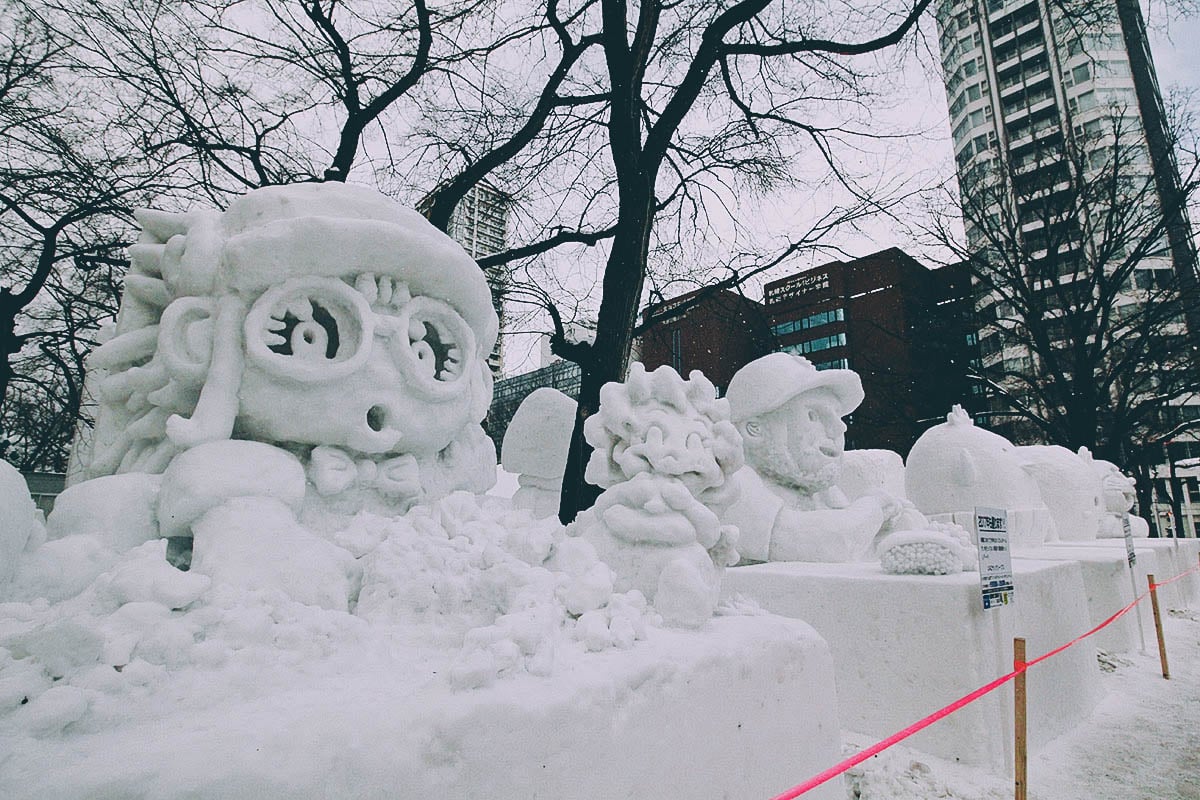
(608, 357)
(9, 344)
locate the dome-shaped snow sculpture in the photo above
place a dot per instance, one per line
(956, 467)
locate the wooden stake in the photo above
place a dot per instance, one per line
(1021, 757)
(1162, 644)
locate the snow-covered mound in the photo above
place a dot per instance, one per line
(471, 632)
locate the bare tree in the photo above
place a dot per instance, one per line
(1086, 340)
(673, 106)
(68, 180)
(260, 92)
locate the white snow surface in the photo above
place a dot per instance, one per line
(473, 638)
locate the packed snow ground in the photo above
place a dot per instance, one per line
(1142, 743)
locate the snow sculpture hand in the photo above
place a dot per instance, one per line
(938, 549)
(653, 510)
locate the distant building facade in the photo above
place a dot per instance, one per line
(1033, 88)
(480, 224)
(905, 329)
(716, 332)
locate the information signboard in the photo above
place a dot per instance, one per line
(1132, 556)
(995, 560)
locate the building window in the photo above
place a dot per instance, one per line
(817, 345)
(837, 363)
(811, 321)
(677, 350)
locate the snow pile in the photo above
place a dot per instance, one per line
(493, 590)
(664, 452)
(511, 589)
(18, 519)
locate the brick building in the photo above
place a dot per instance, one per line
(716, 332)
(905, 329)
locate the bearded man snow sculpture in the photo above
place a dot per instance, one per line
(316, 344)
(790, 509)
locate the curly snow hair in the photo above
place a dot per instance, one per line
(658, 423)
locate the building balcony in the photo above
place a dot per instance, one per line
(1030, 110)
(1024, 55)
(998, 10)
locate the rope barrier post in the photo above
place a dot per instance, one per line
(1162, 644)
(1021, 757)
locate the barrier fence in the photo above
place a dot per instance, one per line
(1019, 668)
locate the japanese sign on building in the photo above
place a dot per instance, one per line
(995, 560)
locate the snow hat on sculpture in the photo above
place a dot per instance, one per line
(956, 467)
(315, 333)
(664, 451)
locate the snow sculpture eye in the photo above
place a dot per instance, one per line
(433, 346)
(310, 329)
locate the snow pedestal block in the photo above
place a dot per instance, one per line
(1172, 556)
(744, 708)
(905, 645)
(1108, 588)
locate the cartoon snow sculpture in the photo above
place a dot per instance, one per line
(955, 467)
(791, 506)
(664, 453)
(317, 345)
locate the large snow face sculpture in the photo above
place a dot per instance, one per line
(1119, 494)
(664, 451)
(790, 417)
(324, 320)
(955, 467)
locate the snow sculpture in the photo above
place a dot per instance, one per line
(19, 520)
(1069, 489)
(790, 417)
(1119, 495)
(664, 453)
(791, 506)
(535, 449)
(866, 471)
(955, 467)
(315, 344)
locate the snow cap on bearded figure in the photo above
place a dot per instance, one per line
(767, 383)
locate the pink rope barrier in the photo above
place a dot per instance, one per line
(965, 700)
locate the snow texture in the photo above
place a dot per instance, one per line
(18, 520)
(1070, 489)
(430, 647)
(956, 467)
(323, 319)
(120, 509)
(939, 549)
(905, 645)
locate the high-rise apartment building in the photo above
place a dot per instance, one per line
(480, 224)
(1044, 96)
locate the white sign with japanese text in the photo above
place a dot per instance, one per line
(995, 560)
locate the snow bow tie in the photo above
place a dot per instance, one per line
(333, 471)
